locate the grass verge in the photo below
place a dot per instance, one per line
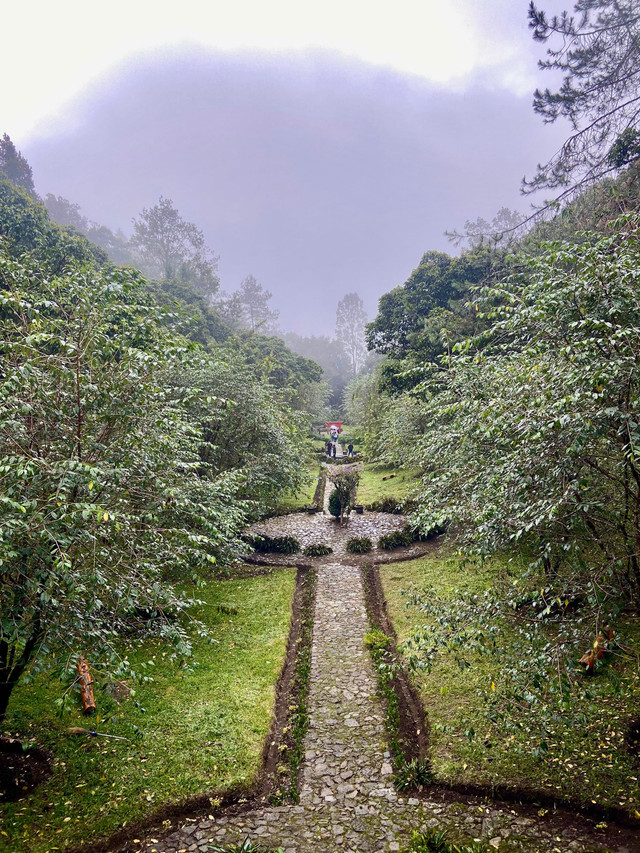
(373, 488)
(292, 501)
(190, 729)
(297, 723)
(585, 759)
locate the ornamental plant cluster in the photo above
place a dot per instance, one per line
(345, 480)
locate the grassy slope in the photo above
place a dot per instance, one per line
(372, 487)
(304, 497)
(585, 760)
(203, 729)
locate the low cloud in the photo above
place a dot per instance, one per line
(318, 175)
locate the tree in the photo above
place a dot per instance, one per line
(15, 166)
(248, 429)
(532, 434)
(67, 213)
(351, 319)
(423, 318)
(328, 353)
(25, 227)
(345, 479)
(103, 493)
(503, 232)
(598, 53)
(168, 247)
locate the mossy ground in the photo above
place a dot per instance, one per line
(372, 487)
(586, 758)
(201, 728)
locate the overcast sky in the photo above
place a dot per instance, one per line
(320, 147)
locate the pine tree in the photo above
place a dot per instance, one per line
(597, 49)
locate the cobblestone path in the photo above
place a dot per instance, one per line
(347, 800)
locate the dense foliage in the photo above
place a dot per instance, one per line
(130, 457)
(534, 429)
(102, 488)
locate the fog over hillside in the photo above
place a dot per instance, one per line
(317, 174)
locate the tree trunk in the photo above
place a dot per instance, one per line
(11, 670)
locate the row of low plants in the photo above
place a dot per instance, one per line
(190, 725)
(356, 545)
(287, 545)
(497, 661)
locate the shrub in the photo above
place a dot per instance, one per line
(397, 539)
(436, 842)
(413, 774)
(317, 549)
(246, 846)
(276, 544)
(377, 640)
(360, 545)
(335, 508)
(346, 482)
(386, 504)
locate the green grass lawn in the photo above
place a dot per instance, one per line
(304, 497)
(586, 757)
(201, 728)
(372, 487)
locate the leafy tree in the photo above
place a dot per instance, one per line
(26, 227)
(503, 232)
(345, 479)
(597, 50)
(420, 320)
(534, 432)
(102, 488)
(65, 212)
(330, 356)
(190, 312)
(231, 310)
(298, 379)
(248, 429)
(351, 319)
(15, 166)
(168, 247)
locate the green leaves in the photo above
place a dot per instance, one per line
(101, 486)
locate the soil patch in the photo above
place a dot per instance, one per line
(21, 769)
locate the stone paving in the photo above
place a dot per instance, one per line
(347, 800)
(322, 527)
